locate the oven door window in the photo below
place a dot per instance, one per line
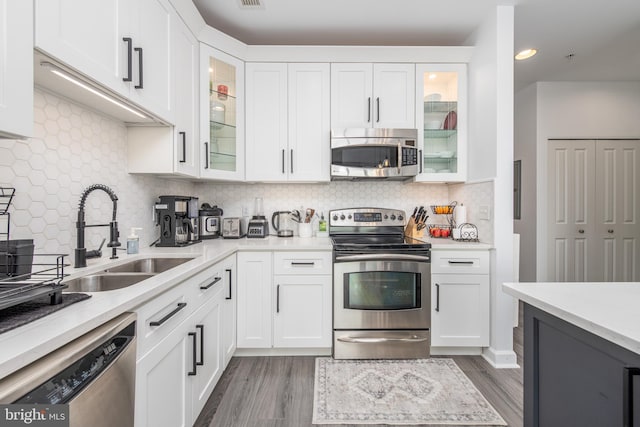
(382, 290)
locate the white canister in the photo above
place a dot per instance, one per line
(305, 230)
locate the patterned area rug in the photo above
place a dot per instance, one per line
(402, 392)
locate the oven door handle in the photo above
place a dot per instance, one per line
(376, 340)
(383, 257)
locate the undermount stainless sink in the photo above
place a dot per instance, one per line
(148, 265)
(101, 282)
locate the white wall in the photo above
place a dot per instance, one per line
(525, 150)
(579, 110)
(491, 154)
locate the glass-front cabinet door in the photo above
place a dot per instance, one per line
(222, 113)
(441, 118)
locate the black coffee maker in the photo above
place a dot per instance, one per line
(177, 217)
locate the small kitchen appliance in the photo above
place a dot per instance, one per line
(233, 228)
(381, 286)
(282, 223)
(178, 219)
(258, 226)
(371, 153)
(210, 221)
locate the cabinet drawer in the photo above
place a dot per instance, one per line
(302, 263)
(158, 317)
(460, 262)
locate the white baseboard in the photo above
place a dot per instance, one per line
(244, 352)
(456, 351)
(501, 359)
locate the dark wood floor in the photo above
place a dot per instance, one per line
(278, 391)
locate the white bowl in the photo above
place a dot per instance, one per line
(446, 154)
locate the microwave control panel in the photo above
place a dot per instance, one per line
(373, 217)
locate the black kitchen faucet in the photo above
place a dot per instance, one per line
(81, 253)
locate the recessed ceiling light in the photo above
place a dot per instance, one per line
(525, 54)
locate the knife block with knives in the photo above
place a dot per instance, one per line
(417, 223)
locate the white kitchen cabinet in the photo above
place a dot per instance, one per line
(221, 115)
(441, 119)
(180, 349)
(163, 388)
(460, 299)
(173, 150)
(372, 95)
(255, 315)
(16, 63)
(303, 311)
(122, 45)
(286, 304)
(288, 127)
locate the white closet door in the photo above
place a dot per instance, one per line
(618, 209)
(571, 210)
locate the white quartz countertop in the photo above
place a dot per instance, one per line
(609, 310)
(23, 345)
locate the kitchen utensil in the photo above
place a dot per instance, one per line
(305, 229)
(282, 223)
(451, 121)
(309, 215)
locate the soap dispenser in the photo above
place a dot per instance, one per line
(133, 241)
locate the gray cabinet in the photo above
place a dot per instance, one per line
(575, 378)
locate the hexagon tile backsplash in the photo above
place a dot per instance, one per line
(74, 147)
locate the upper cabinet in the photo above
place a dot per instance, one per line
(122, 45)
(372, 95)
(16, 63)
(173, 150)
(222, 115)
(287, 122)
(441, 119)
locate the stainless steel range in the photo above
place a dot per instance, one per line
(381, 286)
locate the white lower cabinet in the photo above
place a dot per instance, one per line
(284, 299)
(460, 299)
(182, 351)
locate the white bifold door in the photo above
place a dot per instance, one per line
(593, 210)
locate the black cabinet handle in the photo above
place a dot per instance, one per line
(206, 155)
(278, 299)
(378, 109)
(139, 85)
(461, 262)
(180, 306)
(129, 43)
(421, 159)
(184, 146)
(201, 362)
(291, 160)
(283, 160)
(216, 280)
(194, 366)
(303, 263)
(437, 297)
(230, 284)
(628, 396)
(368, 109)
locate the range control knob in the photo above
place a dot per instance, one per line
(342, 217)
(349, 217)
(335, 217)
(393, 217)
(386, 216)
(400, 217)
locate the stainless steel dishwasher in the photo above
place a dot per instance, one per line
(94, 375)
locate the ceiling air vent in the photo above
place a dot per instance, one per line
(251, 4)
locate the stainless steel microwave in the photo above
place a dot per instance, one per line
(367, 153)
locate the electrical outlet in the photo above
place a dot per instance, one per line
(484, 212)
(245, 211)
